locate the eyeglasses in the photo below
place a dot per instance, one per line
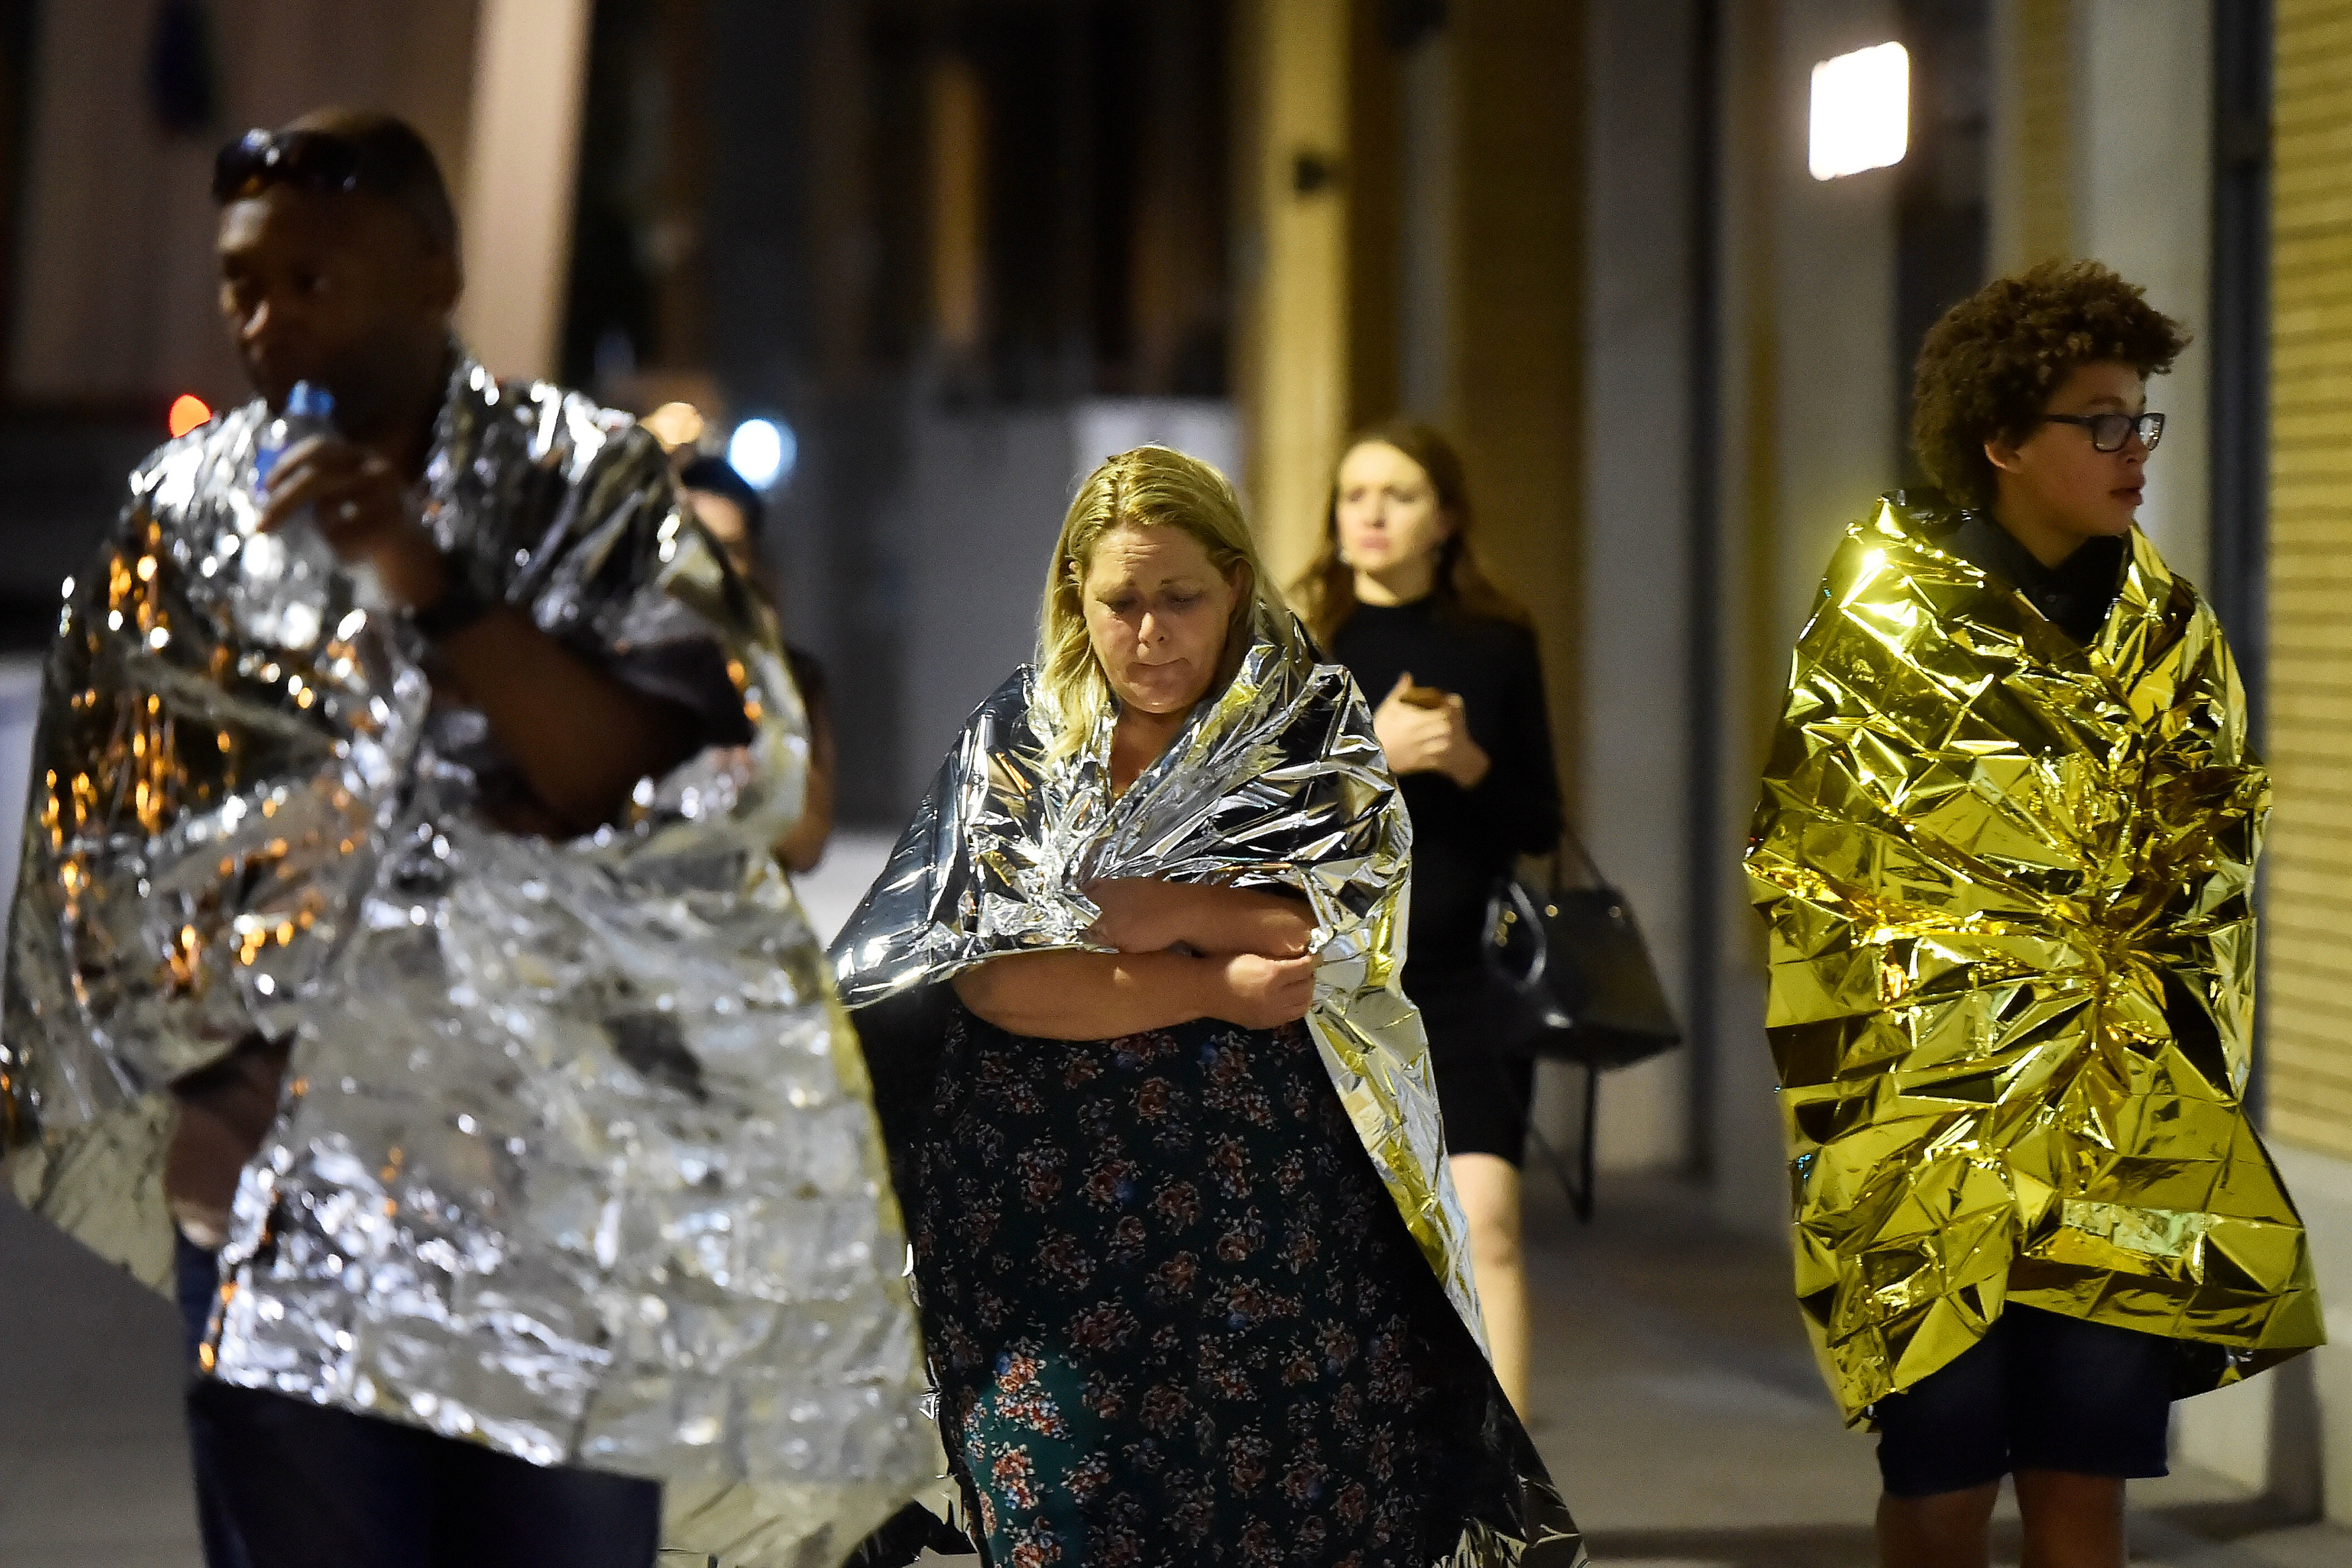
(307, 160)
(2110, 431)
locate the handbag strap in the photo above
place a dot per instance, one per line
(1570, 844)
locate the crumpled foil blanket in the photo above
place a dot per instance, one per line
(577, 1158)
(2008, 885)
(1280, 782)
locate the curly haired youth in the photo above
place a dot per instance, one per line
(1989, 367)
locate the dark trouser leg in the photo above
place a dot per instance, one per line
(197, 1280)
(310, 1487)
(2089, 1406)
(496, 1509)
(1942, 1447)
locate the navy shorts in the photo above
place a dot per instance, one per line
(2039, 1392)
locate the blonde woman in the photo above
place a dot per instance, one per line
(1172, 1313)
(1397, 596)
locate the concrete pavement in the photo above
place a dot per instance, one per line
(1675, 1400)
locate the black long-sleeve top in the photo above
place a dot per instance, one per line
(1463, 839)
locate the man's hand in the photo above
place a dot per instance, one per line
(1419, 740)
(1263, 993)
(581, 737)
(364, 512)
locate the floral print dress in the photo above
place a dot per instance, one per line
(1175, 1318)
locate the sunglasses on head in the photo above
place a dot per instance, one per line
(306, 160)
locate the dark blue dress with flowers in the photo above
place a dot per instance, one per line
(1175, 1318)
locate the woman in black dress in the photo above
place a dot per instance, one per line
(1183, 1303)
(1398, 597)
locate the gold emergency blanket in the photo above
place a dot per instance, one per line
(575, 1158)
(1278, 781)
(2008, 881)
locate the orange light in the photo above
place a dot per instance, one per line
(188, 411)
(675, 424)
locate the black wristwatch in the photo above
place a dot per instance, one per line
(460, 605)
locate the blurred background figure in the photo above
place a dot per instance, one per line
(1660, 269)
(1399, 597)
(733, 511)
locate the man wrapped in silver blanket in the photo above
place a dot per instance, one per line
(398, 963)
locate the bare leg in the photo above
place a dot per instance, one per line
(1489, 1189)
(2071, 1521)
(1945, 1531)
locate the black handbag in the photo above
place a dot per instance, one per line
(1572, 977)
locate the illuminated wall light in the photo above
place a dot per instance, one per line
(764, 451)
(188, 411)
(1861, 111)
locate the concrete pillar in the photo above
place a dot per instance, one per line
(2144, 124)
(2102, 147)
(1635, 642)
(1808, 427)
(1425, 271)
(1292, 379)
(959, 207)
(2031, 183)
(1516, 384)
(530, 62)
(1504, 330)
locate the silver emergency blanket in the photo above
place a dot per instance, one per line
(575, 1158)
(1278, 781)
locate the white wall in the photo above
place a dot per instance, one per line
(2289, 1432)
(531, 80)
(2142, 203)
(2323, 1191)
(1834, 380)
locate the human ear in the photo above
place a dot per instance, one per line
(439, 277)
(446, 281)
(2001, 453)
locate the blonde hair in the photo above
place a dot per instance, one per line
(1149, 487)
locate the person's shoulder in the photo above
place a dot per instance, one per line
(1008, 705)
(1904, 549)
(1497, 636)
(190, 465)
(2167, 594)
(561, 427)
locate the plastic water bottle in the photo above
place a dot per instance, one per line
(293, 586)
(310, 410)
